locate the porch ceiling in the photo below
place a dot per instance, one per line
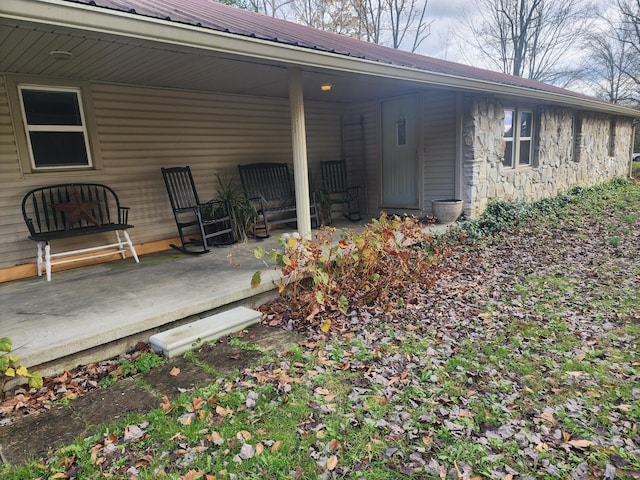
(109, 58)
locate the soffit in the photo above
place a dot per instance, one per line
(108, 58)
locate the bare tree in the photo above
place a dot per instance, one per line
(530, 38)
(272, 8)
(334, 15)
(395, 23)
(610, 58)
(630, 26)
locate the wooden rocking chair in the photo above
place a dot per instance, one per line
(337, 189)
(188, 212)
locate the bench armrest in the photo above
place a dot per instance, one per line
(124, 215)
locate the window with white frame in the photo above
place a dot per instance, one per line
(518, 137)
(55, 127)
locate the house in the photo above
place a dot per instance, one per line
(110, 91)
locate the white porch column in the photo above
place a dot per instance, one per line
(299, 141)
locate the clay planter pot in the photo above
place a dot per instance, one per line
(446, 211)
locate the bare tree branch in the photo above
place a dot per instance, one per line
(529, 38)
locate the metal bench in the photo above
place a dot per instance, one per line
(270, 187)
(69, 210)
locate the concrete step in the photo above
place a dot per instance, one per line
(176, 341)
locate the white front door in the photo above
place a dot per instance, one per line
(400, 167)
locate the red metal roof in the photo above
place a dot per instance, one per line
(216, 16)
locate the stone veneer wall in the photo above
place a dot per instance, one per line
(553, 169)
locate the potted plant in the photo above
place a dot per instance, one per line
(323, 202)
(243, 212)
(447, 211)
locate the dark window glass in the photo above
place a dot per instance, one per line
(508, 154)
(59, 149)
(51, 108)
(525, 152)
(402, 132)
(525, 124)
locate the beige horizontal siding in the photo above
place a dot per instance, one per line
(365, 171)
(141, 129)
(439, 146)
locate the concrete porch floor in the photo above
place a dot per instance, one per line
(96, 312)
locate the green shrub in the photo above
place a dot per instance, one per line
(503, 215)
(243, 211)
(10, 369)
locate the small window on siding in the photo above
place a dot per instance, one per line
(55, 127)
(612, 137)
(518, 138)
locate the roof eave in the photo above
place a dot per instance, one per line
(97, 19)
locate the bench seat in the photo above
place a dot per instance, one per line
(70, 210)
(270, 187)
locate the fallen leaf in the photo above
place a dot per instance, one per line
(198, 403)
(332, 463)
(187, 418)
(133, 433)
(277, 445)
(192, 475)
(166, 404)
(548, 417)
(175, 371)
(326, 325)
(247, 451)
(334, 445)
(215, 438)
(581, 444)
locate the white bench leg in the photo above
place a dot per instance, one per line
(39, 258)
(123, 254)
(47, 260)
(133, 250)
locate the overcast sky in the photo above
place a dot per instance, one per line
(447, 16)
